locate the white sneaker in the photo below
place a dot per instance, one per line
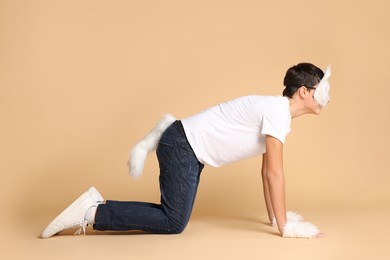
(74, 215)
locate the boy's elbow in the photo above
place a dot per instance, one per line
(264, 174)
(274, 175)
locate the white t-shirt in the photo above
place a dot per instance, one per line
(236, 129)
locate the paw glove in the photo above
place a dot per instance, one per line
(295, 227)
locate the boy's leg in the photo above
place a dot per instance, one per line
(179, 179)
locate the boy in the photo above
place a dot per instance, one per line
(238, 129)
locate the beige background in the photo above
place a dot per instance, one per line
(82, 81)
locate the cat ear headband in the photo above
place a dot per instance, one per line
(321, 93)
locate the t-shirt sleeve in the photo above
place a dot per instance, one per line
(276, 123)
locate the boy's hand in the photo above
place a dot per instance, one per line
(291, 216)
(301, 229)
(297, 228)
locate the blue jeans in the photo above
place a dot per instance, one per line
(179, 178)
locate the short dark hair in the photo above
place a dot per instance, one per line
(302, 74)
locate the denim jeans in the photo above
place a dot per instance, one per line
(179, 178)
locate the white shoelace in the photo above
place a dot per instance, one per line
(84, 223)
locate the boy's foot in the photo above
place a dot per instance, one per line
(75, 214)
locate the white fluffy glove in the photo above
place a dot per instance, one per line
(291, 216)
(301, 229)
(296, 227)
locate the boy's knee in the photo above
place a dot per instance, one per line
(177, 228)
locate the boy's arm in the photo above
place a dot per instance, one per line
(274, 194)
(267, 197)
(275, 180)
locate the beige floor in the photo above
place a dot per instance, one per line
(353, 232)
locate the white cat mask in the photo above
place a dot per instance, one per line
(321, 93)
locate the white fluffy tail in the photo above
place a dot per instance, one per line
(149, 143)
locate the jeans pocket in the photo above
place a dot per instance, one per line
(164, 155)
